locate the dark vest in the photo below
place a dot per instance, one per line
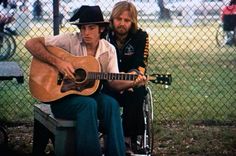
(131, 56)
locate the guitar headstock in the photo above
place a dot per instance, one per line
(164, 79)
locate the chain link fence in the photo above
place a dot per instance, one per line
(182, 42)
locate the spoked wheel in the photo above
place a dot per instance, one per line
(221, 36)
(5, 47)
(144, 144)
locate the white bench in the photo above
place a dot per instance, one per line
(10, 70)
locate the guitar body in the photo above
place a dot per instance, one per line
(44, 80)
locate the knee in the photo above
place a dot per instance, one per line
(112, 106)
(87, 109)
(82, 103)
(90, 104)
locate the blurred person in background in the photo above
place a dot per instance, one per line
(7, 19)
(37, 10)
(5, 16)
(228, 16)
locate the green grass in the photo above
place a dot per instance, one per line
(202, 91)
(187, 139)
(203, 74)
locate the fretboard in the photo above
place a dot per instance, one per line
(111, 76)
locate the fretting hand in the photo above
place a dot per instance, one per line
(141, 80)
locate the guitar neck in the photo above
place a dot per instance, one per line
(81, 75)
(111, 76)
(154, 78)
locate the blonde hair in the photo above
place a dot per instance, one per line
(122, 6)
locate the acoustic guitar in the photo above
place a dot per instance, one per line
(47, 84)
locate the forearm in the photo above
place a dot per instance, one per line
(119, 85)
(37, 48)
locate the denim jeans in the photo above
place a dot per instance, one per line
(86, 110)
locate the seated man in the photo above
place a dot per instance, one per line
(86, 110)
(132, 47)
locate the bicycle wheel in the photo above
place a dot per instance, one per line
(145, 142)
(12, 43)
(221, 36)
(5, 46)
(149, 113)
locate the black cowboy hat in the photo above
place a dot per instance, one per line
(88, 15)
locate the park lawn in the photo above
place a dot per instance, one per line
(203, 74)
(202, 92)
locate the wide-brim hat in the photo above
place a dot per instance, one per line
(88, 15)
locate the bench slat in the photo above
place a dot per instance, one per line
(10, 70)
(44, 110)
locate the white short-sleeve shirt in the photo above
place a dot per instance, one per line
(73, 43)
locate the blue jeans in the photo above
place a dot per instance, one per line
(86, 110)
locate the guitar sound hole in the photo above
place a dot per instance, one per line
(80, 75)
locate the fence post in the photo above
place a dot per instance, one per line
(56, 17)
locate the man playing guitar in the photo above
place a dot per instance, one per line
(86, 110)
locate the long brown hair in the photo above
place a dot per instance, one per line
(122, 6)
